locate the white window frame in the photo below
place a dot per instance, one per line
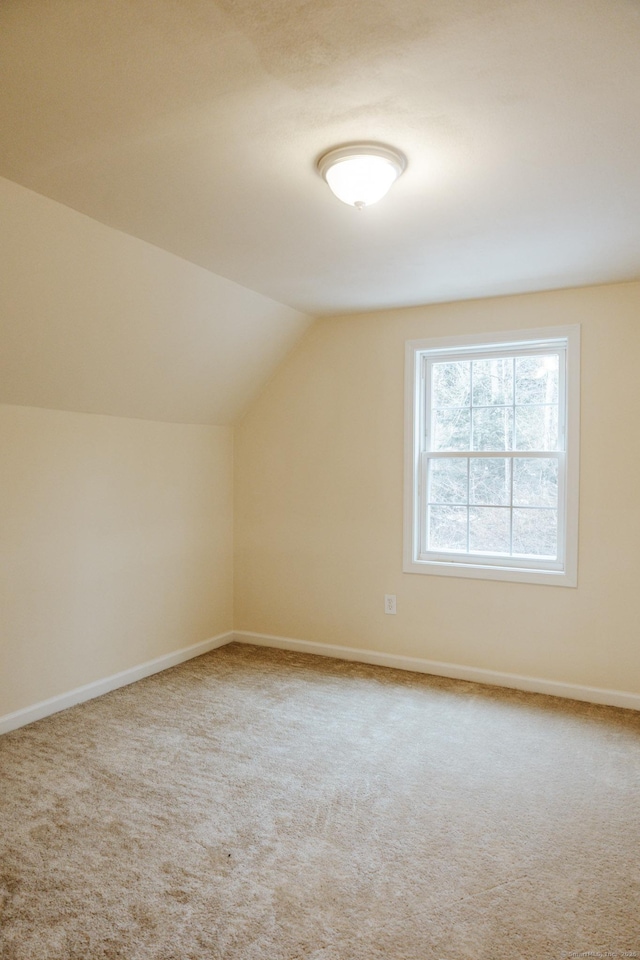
(420, 355)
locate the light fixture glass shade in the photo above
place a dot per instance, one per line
(362, 173)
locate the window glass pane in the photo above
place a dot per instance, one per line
(535, 482)
(537, 379)
(492, 382)
(537, 428)
(451, 428)
(489, 529)
(448, 480)
(451, 383)
(448, 528)
(535, 532)
(492, 428)
(490, 481)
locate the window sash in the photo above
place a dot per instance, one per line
(430, 357)
(526, 561)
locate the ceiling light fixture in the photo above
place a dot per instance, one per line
(361, 173)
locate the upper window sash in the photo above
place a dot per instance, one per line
(428, 358)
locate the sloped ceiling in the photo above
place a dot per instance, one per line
(96, 321)
(196, 124)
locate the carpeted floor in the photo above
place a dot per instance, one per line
(260, 805)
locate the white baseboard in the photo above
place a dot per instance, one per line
(11, 721)
(613, 698)
(572, 691)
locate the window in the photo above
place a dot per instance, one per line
(492, 435)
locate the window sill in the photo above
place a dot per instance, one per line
(439, 568)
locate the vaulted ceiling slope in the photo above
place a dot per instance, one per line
(96, 321)
(195, 125)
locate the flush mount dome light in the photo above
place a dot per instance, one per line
(361, 173)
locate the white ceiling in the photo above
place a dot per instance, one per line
(195, 125)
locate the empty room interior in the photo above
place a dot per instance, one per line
(319, 515)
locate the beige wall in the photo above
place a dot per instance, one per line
(319, 484)
(115, 546)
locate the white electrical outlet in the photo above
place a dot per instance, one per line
(389, 603)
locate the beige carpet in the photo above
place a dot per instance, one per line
(263, 805)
